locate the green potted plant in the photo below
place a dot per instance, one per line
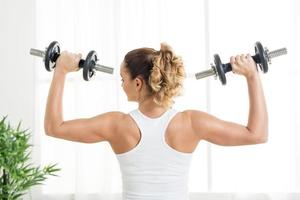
(17, 174)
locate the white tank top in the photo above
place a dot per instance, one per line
(154, 170)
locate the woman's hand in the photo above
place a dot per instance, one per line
(244, 65)
(68, 62)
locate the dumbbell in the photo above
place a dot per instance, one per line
(89, 65)
(262, 57)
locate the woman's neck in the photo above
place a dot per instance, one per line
(151, 109)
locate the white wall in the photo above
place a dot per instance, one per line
(17, 36)
(17, 73)
(297, 89)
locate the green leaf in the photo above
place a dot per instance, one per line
(16, 196)
(14, 159)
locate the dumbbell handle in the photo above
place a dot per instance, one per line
(228, 68)
(102, 68)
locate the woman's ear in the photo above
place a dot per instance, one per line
(138, 83)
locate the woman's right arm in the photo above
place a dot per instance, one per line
(89, 130)
(226, 133)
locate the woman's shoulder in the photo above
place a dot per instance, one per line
(117, 116)
(195, 116)
(191, 112)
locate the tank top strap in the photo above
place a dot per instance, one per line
(170, 115)
(135, 116)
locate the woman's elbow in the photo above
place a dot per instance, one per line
(50, 130)
(52, 127)
(262, 138)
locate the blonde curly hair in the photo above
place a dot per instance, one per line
(162, 70)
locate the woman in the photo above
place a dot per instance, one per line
(154, 143)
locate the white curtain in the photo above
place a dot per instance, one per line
(196, 30)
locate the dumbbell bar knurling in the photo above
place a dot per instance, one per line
(270, 55)
(36, 52)
(276, 53)
(102, 68)
(206, 73)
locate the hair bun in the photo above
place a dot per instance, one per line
(166, 52)
(167, 74)
(156, 79)
(164, 47)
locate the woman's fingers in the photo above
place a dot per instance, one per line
(243, 64)
(77, 58)
(233, 63)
